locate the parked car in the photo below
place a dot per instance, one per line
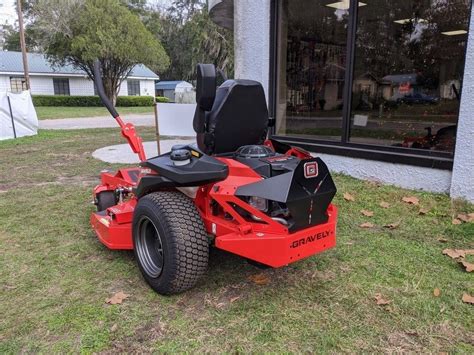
(418, 98)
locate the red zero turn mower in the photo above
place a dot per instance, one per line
(236, 190)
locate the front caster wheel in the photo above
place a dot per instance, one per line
(170, 242)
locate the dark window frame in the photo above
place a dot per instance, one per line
(15, 80)
(134, 89)
(407, 156)
(61, 86)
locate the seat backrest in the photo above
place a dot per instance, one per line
(238, 117)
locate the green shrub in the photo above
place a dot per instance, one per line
(162, 99)
(129, 101)
(63, 100)
(89, 101)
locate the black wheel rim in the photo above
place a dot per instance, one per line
(149, 248)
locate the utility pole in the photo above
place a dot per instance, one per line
(23, 44)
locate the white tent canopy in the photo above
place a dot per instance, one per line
(17, 115)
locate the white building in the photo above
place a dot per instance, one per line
(65, 80)
(325, 67)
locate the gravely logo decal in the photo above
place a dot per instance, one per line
(311, 170)
(310, 239)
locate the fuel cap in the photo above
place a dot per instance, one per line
(178, 147)
(180, 156)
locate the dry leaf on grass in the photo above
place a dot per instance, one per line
(113, 328)
(260, 279)
(392, 225)
(380, 300)
(233, 299)
(457, 221)
(117, 298)
(348, 197)
(423, 211)
(367, 213)
(412, 200)
(469, 267)
(366, 225)
(454, 253)
(442, 240)
(384, 204)
(436, 292)
(467, 298)
(467, 218)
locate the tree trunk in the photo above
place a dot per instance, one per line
(110, 88)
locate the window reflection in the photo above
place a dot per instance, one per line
(312, 67)
(409, 64)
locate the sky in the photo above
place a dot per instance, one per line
(164, 3)
(7, 12)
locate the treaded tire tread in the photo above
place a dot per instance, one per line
(184, 238)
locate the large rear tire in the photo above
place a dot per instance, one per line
(170, 242)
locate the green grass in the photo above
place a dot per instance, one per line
(54, 112)
(55, 275)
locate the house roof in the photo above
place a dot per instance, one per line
(170, 85)
(12, 62)
(401, 78)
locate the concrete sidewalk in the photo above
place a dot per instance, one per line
(122, 153)
(147, 120)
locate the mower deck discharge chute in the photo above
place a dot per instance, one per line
(235, 190)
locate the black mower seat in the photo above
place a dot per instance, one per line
(234, 116)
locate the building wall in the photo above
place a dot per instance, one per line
(462, 184)
(43, 85)
(123, 89)
(4, 83)
(409, 177)
(252, 58)
(252, 40)
(169, 94)
(147, 87)
(81, 86)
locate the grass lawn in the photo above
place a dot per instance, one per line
(52, 112)
(55, 275)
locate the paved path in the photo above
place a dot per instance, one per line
(96, 122)
(122, 153)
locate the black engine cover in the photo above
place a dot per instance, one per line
(270, 166)
(307, 190)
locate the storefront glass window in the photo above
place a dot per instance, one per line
(406, 77)
(312, 68)
(408, 70)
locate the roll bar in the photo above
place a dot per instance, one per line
(127, 129)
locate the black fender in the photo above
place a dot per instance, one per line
(153, 183)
